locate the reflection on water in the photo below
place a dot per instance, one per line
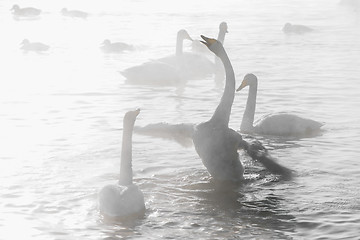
(61, 116)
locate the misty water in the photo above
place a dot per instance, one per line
(61, 121)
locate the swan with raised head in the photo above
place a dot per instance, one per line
(74, 13)
(296, 28)
(160, 72)
(115, 47)
(216, 143)
(26, 45)
(279, 124)
(124, 199)
(25, 12)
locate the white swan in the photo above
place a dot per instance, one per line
(216, 143)
(159, 72)
(115, 47)
(298, 29)
(25, 12)
(124, 199)
(33, 46)
(280, 124)
(190, 65)
(74, 13)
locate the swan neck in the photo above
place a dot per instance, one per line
(126, 175)
(179, 45)
(221, 36)
(223, 110)
(249, 113)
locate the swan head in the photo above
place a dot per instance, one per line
(183, 34)
(15, 7)
(249, 80)
(287, 27)
(223, 27)
(25, 42)
(130, 116)
(214, 45)
(106, 42)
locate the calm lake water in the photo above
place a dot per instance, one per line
(61, 121)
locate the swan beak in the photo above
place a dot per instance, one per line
(243, 84)
(207, 41)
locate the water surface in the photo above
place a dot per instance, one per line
(61, 121)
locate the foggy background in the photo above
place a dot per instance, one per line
(61, 117)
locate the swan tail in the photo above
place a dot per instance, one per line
(258, 152)
(181, 133)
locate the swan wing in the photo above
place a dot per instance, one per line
(181, 133)
(258, 152)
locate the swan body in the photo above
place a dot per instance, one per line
(124, 199)
(152, 73)
(34, 46)
(298, 29)
(278, 124)
(115, 47)
(159, 71)
(214, 141)
(118, 201)
(25, 12)
(190, 65)
(74, 13)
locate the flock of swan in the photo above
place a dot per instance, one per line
(31, 12)
(216, 144)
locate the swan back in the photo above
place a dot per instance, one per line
(25, 12)
(74, 13)
(152, 73)
(287, 125)
(117, 202)
(115, 47)
(163, 71)
(34, 46)
(298, 29)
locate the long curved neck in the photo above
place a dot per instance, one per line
(223, 110)
(221, 36)
(219, 71)
(179, 45)
(126, 175)
(248, 117)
